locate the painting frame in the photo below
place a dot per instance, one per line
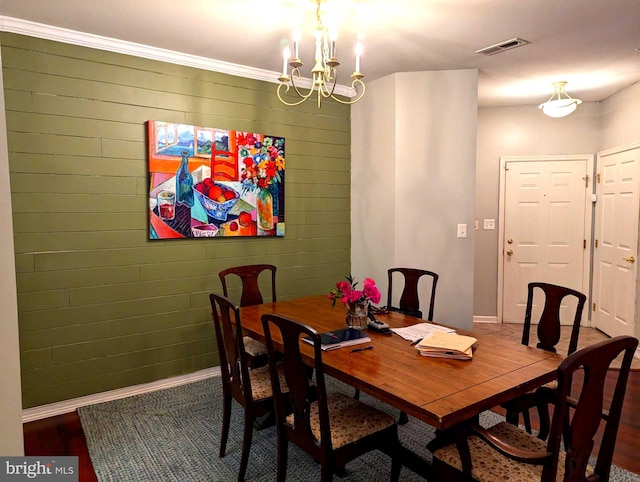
(208, 182)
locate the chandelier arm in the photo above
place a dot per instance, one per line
(287, 87)
(326, 92)
(355, 99)
(295, 74)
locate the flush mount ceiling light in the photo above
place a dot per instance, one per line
(560, 103)
(324, 72)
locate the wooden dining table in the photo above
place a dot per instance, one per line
(441, 392)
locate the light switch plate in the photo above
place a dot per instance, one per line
(489, 224)
(462, 230)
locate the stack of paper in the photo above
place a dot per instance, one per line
(447, 345)
(420, 330)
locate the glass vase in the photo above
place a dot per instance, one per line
(264, 206)
(357, 316)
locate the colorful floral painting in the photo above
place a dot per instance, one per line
(206, 182)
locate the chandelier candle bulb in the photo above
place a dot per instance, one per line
(358, 53)
(286, 54)
(296, 43)
(333, 35)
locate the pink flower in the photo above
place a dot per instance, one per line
(371, 291)
(343, 286)
(355, 296)
(346, 292)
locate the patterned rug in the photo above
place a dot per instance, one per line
(174, 435)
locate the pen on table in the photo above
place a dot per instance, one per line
(370, 347)
(416, 342)
(332, 335)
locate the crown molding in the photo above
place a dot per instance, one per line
(49, 32)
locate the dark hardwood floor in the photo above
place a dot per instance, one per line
(60, 435)
(63, 435)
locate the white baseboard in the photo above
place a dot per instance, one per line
(485, 319)
(66, 406)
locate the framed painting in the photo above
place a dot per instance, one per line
(206, 182)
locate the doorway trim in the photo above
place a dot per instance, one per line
(588, 220)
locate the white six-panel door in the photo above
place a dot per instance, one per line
(546, 228)
(616, 252)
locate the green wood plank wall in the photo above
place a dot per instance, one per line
(100, 305)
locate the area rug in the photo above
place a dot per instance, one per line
(174, 435)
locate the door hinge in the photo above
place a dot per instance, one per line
(594, 307)
(596, 243)
(598, 178)
(586, 180)
(584, 244)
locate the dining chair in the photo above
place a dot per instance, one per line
(251, 295)
(409, 300)
(332, 427)
(506, 452)
(548, 334)
(249, 388)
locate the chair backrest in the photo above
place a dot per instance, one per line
(409, 300)
(249, 274)
(301, 390)
(577, 427)
(549, 323)
(233, 359)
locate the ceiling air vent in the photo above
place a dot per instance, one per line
(502, 46)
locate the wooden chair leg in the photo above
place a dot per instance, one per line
(283, 447)
(527, 421)
(403, 418)
(545, 422)
(226, 421)
(326, 474)
(396, 464)
(512, 416)
(246, 446)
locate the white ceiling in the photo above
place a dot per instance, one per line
(589, 43)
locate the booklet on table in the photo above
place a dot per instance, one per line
(332, 340)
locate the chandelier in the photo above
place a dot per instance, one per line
(560, 103)
(324, 72)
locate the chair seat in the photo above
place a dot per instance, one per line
(350, 419)
(489, 465)
(261, 383)
(253, 347)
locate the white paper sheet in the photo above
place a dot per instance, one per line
(420, 330)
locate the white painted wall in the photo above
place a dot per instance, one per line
(413, 182)
(517, 131)
(373, 181)
(620, 114)
(11, 439)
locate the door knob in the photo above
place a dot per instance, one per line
(510, 241)
(509, 252)
(630, 259)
